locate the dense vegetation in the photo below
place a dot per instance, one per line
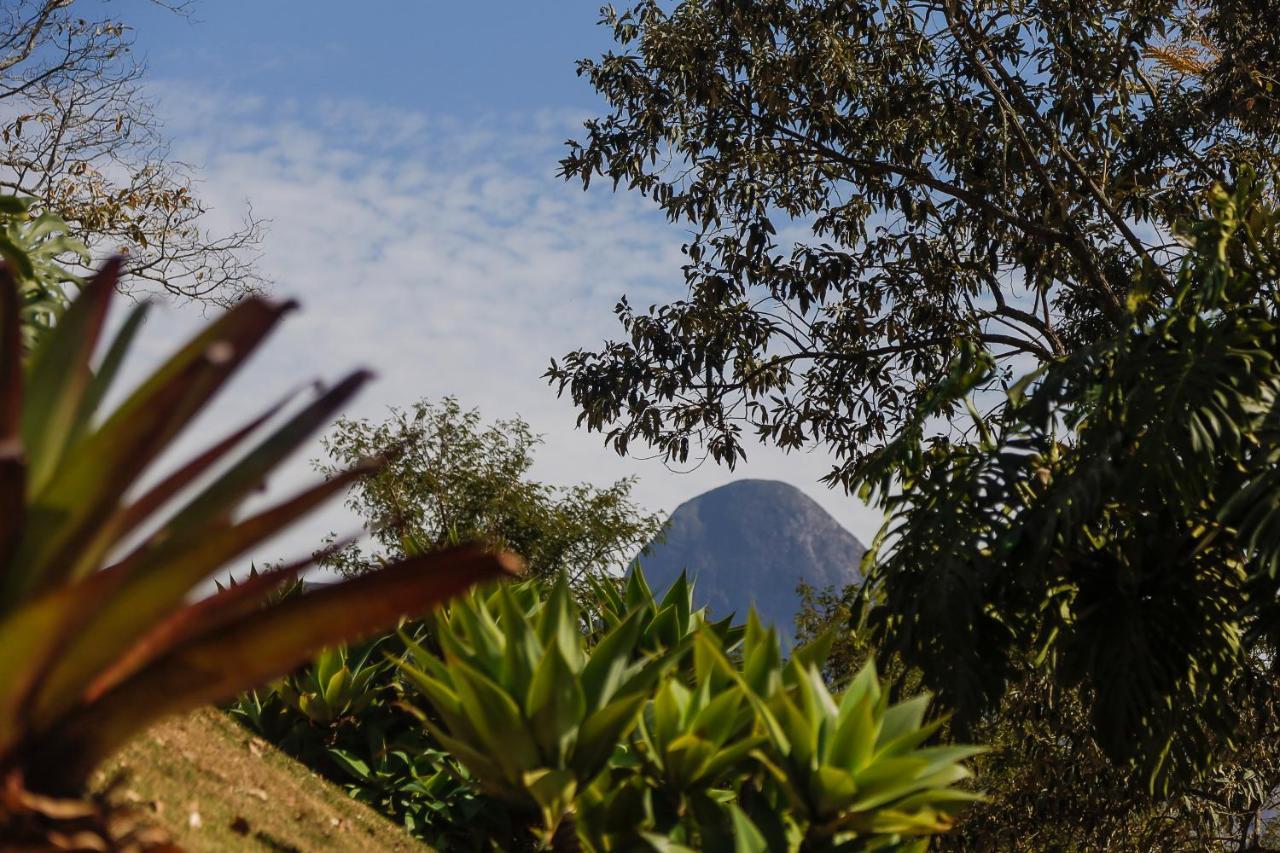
(1032, 312)
(634, 725)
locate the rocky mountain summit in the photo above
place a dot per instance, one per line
(751, 542)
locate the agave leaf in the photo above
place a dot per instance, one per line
(668, 712)
(602, 730)
(728, 757)
(97, 472)
(335, 690)
(884, 791)
(29, 633)
(59, 374)
(746, 837)
(554, 705)
(105, 375)
(900, 719)
(258, 647)
(442, 698)
(905, 743)
(221, 498)
(721, 718)
(152, 585)
(521, 652)
(171, 486)
(831, 789)
(679, 596)
(328, 663)
(610, 660)
(203, 616)
(133, 516)
(495, 716)
(853, 742)
(686, 758)
(558, 623)
(815, 652)
(638, 592)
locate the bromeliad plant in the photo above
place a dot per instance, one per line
(98, 559)
(524, 704)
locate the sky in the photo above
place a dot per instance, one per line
(405, 155)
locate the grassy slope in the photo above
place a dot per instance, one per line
(247, 795)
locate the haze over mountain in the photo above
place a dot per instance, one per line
(751, 542)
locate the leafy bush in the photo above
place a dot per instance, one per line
(450, 475)
(95, 569)
(31, 247)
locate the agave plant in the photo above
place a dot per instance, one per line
(693, 736)
(663, 624)
(521, 701)
(856, 770)
(337, 686)
(98, 559)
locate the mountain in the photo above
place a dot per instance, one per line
(751, 542)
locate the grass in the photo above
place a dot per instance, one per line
(216, 787)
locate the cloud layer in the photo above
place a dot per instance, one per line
(448, 257)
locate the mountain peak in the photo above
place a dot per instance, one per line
(752, 542)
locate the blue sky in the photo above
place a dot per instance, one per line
(466, 59)
(405, 155)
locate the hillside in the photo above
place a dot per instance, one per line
(215, 787)
(751, 542)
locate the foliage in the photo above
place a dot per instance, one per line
(523, 704)
(96, 568)
(450, 476)
(31, 247)
(874, 188)
(1119, 526)
(1046, 783)
(381, 755)
(664, 624)
(858, 769)
(613, 746)
(80, 139)
(337, 687)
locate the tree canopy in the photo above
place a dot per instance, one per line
(873, 187)
(451, 477)
(80, 138)
(1119, 525)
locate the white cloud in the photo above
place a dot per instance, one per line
(448, 257)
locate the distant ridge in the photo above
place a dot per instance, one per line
(753, 541)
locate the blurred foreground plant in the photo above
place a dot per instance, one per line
(98, 559)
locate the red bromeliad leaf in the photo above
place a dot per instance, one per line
(254, 648)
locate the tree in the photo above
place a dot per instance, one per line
(1119, 526)
(958, 176)
(451, 477)
(80, 138)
